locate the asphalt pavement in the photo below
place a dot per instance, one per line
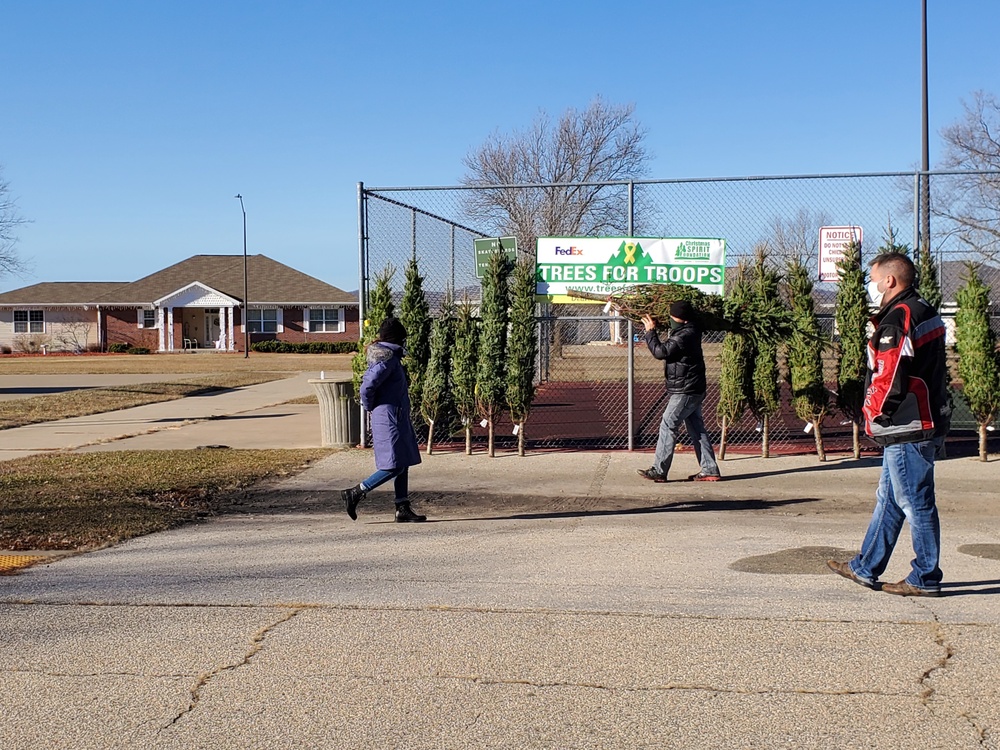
(556, 600)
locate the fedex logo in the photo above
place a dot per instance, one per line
(571, 250)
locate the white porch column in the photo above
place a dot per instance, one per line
(232, 340)
(159, 327)
(170, 329)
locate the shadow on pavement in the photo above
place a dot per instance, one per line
(679, 507)
(865, 462)
(962, 588)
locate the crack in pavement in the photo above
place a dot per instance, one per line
(929, 694)
(678, 686)
(474, 609)
(256, 644)
(141, 675)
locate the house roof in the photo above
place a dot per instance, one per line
(269, 282)
(951, 275)
(59, 293)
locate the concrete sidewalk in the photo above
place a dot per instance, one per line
(556, 600)
(552, 601)
(241, 417)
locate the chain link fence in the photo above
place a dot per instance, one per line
(598, 386)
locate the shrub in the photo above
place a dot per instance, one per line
(30, 344)
(310, 347)
(137, 350)
(118, 348)
(4, 349)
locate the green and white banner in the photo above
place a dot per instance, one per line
(609, 265)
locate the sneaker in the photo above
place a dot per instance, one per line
(652, 474)
(844, 569)
(405, 514)
(351, 497)
(908, 589)
(702, 477)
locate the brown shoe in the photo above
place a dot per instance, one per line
(908, 589)
(844, 569)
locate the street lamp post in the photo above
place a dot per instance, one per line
(925, 162)
(246, 298)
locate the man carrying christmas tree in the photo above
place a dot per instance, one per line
(684, 369)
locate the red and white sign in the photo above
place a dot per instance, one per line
(832, 243)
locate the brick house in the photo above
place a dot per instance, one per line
(197, 303)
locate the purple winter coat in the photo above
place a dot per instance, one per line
(385, 394)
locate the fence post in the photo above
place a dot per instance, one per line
(362, 289)
(630, 376)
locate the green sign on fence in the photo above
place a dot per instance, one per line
(488, 245)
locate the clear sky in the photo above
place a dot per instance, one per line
(126, 128)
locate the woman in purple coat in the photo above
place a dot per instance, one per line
(385, 396)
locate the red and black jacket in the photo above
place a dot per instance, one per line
(906, 394)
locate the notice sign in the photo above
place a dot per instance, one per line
(609, 265)
(832, 243)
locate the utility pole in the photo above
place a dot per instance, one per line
(246, 298)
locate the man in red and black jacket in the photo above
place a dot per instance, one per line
(908, 411)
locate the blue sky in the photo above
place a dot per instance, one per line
(126, 128)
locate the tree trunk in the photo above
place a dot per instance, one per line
(856, 432)
(765, 438)
(520, 438)
(468, 439)
(490, 450)
(430, 437)
(722, 438)
(818, 429)
(982, 443)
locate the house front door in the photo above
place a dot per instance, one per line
(213, 329)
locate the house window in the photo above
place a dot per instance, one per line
(326, 320)
(149, 318)
(264, 320)
(29, 321)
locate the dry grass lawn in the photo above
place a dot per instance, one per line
(80, 403)
(91, 500)
(202, 363)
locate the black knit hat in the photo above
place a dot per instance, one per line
(682, 310)
(392, 332)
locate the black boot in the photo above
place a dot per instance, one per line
(351, 498)
(405, 514)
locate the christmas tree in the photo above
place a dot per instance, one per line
(464, 362)
(491, 371)
(522, 347)
(975, 342)
(414, 314)
(804, 353)
(851, 319)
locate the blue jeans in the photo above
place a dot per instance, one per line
(905, 493)
(381, 476)
(684, 408)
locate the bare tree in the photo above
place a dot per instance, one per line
(10, 220)
(602, 143)
(796, 239)
(971, 203)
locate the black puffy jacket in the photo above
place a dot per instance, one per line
(684, 363)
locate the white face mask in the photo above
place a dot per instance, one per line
(874, 294)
